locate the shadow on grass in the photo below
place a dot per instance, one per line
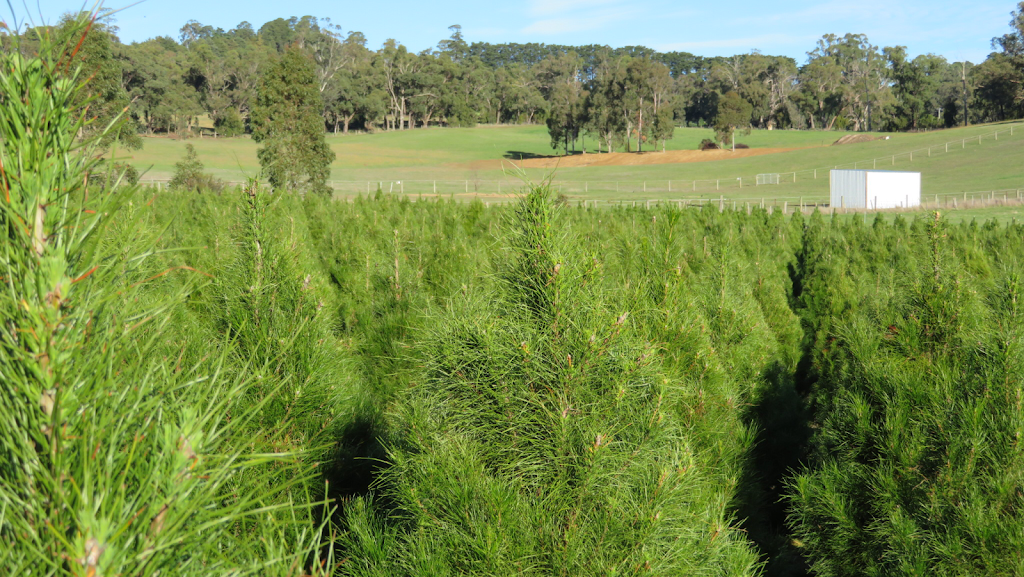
(358, 456)
(780, 417)
(520, 155)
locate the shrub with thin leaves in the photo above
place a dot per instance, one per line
(189, 175)
(918, 467)
(112, 460)
(537, 441)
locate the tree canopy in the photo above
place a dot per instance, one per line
(286, 120)
(615, 98)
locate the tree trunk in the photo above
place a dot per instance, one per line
(640, 127)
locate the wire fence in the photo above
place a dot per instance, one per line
(789, 204)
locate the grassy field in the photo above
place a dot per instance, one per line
(438, 151)
(471, 161)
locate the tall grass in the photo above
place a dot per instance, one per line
(115, 459)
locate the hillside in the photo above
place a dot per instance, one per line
(473, 160)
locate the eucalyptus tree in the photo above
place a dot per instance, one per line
(1007, 73)
(560, 80)
(915, 88)
(648, 91)
(605, 118)
(155, 81)
(851, 74)
(398, 68)
(356, 91)
(92, 49)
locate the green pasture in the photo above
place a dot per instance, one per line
(471, 161)
(432, 152)
(967, 167)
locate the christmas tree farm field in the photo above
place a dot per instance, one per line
(265, 382)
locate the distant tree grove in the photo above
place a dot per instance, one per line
(610, 98)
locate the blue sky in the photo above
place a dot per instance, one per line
(956, 29)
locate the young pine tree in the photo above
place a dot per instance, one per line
(286, 120)
(538, 440)
(917, 460)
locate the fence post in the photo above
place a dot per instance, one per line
(794, 180)
(785, 207)
(467, 187)
(695, 186)
(670, 186)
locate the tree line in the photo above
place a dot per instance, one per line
(615, 98)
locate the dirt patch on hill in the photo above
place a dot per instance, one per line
(855, 138)
(627, 158)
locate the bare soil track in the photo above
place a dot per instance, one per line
(626, 158)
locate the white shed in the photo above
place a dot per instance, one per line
(875, 189)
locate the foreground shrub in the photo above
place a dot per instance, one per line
(538, 441)
(112, 460)
(918, 467)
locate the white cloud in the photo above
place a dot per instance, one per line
(573, 23)
(567, 16)
(555, 7)
(761, 42)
